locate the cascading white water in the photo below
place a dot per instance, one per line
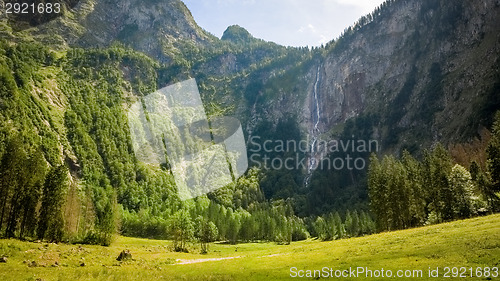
(314, 131)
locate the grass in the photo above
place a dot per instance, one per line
(468, 243)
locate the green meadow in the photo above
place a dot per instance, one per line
(472, 244)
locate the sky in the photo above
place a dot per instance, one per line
(286, 22)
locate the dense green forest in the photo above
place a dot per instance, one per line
(106, 190)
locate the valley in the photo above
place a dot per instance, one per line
(469, 243)
(379, 149)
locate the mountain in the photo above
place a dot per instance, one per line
(237, 35)
(406, 76)
(409, 75)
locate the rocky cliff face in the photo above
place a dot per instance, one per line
(160, 29)
(421, 67)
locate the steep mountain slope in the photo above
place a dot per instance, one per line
(157, 28)
(427, 69)
(408, 75)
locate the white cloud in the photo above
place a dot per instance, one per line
(366, 6)
(232, 2)
(308, 28)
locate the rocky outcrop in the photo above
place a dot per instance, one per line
(156, 28)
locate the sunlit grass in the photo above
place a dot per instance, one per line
(469, 243)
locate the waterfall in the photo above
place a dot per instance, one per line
(314, 131)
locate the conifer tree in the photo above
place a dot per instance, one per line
(437, 167)
(348, 223)
(355, 228)
(51, 222)
(11, 173)
(320, 228)
(414, 185)
(367, 224)
(377, 192)
(491, 185)
(205, 232)
(493, 152)
(339, 227)
(33, 189)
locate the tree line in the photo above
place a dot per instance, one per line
(408, 193)
(331, 227)
(33, 178)
(206, 221)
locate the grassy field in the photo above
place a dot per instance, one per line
(469, 243)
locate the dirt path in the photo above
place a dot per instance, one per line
(181, 261)
(268, 256)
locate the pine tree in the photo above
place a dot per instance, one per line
(30, 199)
(491, 184)
(483, 184)
(11, 173)
(339, 227)
(474, 170)
(205, 232)
(18, 191)
(247, 230)
(320, 228)
(349, 223)
(437, 167)
(397, 193)
(108, 220)
(330, 226)
(367, 224)
(233, 226)
(493, 152)
(416, 199)
(355, 228)
(377, 185)
(51, 222)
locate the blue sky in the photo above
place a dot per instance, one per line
(286, 22)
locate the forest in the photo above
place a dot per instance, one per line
(46, 194)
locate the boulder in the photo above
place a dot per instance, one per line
(124, 256)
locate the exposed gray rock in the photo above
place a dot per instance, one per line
(124, 256)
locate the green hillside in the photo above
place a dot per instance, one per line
(472, 243)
